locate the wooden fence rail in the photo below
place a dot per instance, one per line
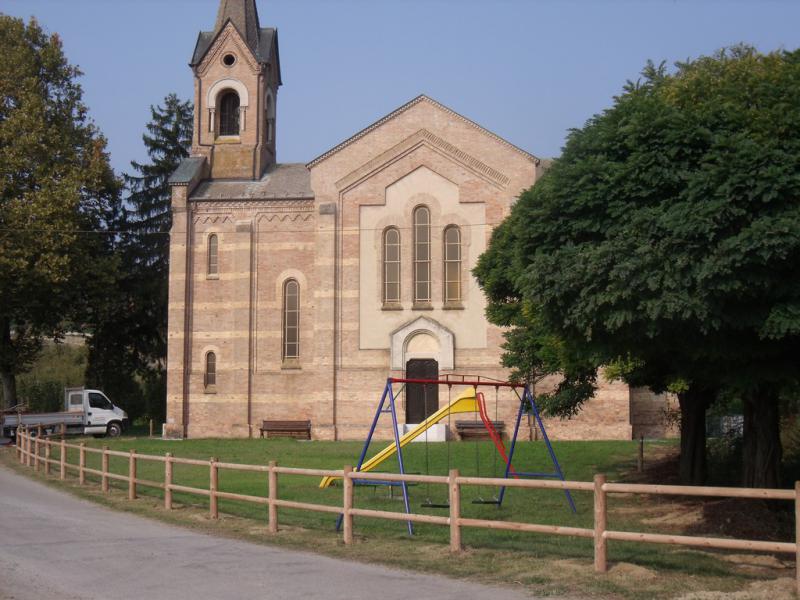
(36, 451)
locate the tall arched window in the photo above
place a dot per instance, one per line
(391, 266)
(211, 370)
(229, 113)
(422, 254)
(452, 265)
(270, 117)
(291, 320)
(213, 255)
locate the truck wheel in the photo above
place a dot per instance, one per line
(114, 430)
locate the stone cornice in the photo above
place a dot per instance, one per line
(267, 206)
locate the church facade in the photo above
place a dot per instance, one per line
(297, 289)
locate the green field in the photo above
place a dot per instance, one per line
(495, 556)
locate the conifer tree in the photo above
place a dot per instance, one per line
(128, 350)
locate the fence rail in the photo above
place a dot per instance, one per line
(35, 451)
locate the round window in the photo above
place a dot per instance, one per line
(229, 60)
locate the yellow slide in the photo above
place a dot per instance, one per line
(465, 403)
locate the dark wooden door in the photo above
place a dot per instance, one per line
(422, 400)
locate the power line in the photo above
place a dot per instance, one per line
(153, 233)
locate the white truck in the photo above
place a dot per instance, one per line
(87, 412)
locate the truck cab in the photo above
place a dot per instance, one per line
(101, 417)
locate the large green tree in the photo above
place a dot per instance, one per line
(56, 191)
(128, 349)
(668, 234)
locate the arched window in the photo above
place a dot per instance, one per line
(391, 266)
(229, 113)
(291, 320)
(213, 255)
(211, 370)
(452, 265)
(422, 254)
(270, 117)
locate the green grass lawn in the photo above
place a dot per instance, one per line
(507, 556)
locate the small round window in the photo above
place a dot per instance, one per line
(229, 60)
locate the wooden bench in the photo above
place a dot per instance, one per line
(293, 429)
(472, 430)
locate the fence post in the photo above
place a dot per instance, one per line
(151, 427)
(63, 459)
(63, 430)
(600, 525)
(104, 470)
(347, 486)
(797, 532)
(168, 481)
(132, 475)
(640, 457)
(455, 511)
(82, 464)
(18, 443)
(36, 451)
(29, 453)
(273, 496)
(48, 454)
(213, 504)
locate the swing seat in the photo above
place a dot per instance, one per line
(430, 504)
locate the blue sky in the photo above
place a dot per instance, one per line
(526, 69)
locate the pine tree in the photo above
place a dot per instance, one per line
(168, 140)
(128, 350)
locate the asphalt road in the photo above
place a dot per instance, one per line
(53, 545)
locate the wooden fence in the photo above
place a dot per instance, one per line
(36, 450)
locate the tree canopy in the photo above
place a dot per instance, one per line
(668, 233)
(55, 186)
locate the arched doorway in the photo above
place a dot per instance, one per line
(422, 400)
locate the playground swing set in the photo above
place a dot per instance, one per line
(470, 400)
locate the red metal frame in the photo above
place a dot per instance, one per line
(452, 382)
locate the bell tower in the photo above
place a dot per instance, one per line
(237, 74)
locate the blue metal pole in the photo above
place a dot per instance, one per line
(511, 449)
(369, 439)
(550, 449)
(400, 458)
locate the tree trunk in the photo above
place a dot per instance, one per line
(7, 374)
(762, 451)
(9, 389)
(694, 402)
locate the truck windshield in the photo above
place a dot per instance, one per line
(99, 401)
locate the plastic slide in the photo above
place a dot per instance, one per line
(465, 403)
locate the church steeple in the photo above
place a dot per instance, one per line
(237, 71)
(244, 16)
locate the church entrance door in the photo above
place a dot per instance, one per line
(422, 400)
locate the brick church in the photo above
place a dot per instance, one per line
(297, 289)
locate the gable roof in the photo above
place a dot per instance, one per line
(404, 108)
(262, 51)
(243, 15)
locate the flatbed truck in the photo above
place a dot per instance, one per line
(86, 412)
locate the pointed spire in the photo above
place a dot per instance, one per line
(244, 15)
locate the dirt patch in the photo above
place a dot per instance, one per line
(680, 516)
(778, 589)
(758, 562)
(629, 572)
